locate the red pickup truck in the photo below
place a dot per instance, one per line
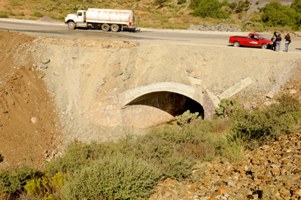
(252, 40)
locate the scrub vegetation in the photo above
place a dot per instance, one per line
(244, 14)
(131, 167)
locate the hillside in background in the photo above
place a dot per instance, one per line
(150, 13)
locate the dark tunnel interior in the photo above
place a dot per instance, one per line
(172, 103)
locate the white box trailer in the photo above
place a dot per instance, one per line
(105, 19)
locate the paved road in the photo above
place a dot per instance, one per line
(59, 29)
(54, 28)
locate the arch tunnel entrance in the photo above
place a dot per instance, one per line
(173, 103)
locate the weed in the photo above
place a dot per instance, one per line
(117, 177)
(279, 118)
(12, 182)
(45, 187)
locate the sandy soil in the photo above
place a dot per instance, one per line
(54, 91)
(29, 128)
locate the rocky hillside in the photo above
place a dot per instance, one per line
(270, 172)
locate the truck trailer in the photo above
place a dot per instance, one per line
(105, 19)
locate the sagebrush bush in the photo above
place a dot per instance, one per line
(79, 155)
(118, 177)
(227, 108)
(186, 118)
(45, 187)
(279, 118)
(12, 182)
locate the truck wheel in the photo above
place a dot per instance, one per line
(115, 27)
(71, 25)
(264, 46)
(105, 27)
(236, 44)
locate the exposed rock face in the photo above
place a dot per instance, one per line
(272, 171)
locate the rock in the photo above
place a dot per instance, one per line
(126, 76)
(34, 120)
(117, 73)
(45, 61)
(292, 91)
(268, 172)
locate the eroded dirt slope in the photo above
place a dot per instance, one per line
(29, 129)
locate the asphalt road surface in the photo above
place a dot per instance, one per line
(54, 28)
(59, 29)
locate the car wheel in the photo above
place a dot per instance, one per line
(236, 44)
(115, 27)
(105, 27)
(71, 25)
(264, 46)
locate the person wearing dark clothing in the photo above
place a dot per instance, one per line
(273, 39)
(278, 41)
(287, 39)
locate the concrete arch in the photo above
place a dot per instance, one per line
(196, 94)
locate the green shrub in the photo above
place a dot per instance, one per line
(12, 182)
(279, 118)
(3, 15)
(296, 5)
(276, 14)
(186, 117)
(79, 155)
(45, 187)
(163, 148)
(118, 177)
(37, 14)
(226, 108)
(211, 8)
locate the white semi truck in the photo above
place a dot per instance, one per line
(105, 19)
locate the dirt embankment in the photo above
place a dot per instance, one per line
(64, 89)
(29, 128)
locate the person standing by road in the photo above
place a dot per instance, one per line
(278, 41)
(273, 39)
(287, 39)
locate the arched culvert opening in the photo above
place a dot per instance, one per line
(172, 103)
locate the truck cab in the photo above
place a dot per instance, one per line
(76, 20)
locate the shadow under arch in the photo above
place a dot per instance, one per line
(170, 102)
